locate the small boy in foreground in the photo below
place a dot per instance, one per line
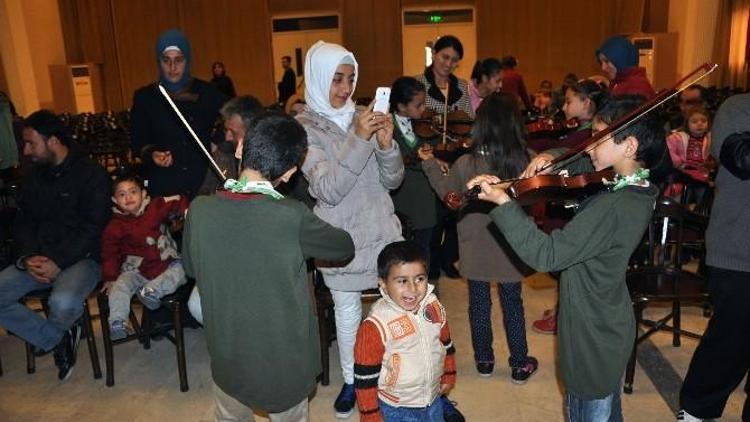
(404, 359)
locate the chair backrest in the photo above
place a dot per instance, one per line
(671, 228)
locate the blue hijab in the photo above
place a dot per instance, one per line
(620, 51)
(174, 37)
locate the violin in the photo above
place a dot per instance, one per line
(550, 127)
(449, 134)
(431, 125)
(543, 186)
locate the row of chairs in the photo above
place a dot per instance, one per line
(145, 329)
(656, 276)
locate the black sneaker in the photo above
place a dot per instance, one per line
(451, 271)
(65, 352)
(485, 369)
(450, 413)
(522, 374)
(344, 404)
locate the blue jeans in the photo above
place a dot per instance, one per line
(608, 409)
(431, 413)
(69, 290)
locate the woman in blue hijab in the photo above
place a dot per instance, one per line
(174, 163)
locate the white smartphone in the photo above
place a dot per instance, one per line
(382, 99)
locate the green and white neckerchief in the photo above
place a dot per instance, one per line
(252, 186)
(404, 125)
(638, 178)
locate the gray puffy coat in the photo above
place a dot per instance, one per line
(350, 178)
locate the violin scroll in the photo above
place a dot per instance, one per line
(456, 201)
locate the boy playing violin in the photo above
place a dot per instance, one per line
(596, 326)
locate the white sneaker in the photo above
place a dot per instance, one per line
(684, 416)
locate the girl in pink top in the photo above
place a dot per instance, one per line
(689, 150)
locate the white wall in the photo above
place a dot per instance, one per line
(30, 40)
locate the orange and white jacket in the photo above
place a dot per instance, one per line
(402, 357)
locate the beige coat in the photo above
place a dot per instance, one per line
(350, 179)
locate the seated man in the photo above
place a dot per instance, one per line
(63, 207)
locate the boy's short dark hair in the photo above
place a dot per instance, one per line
(397, 253)
(274, 143)
(47, 124)
(127, 177)
(648, 130)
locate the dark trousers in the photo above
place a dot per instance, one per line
(480, 313)
(722, 359)
(423, 237)
(444, 242)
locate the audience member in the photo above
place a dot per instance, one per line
(221, 81)
(63, 206)
(175, 165)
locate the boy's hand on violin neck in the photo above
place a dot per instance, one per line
(537, 164)
(492, 189)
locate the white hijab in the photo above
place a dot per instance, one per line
(320, 65)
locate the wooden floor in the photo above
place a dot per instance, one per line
(147, 389)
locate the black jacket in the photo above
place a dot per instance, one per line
(287, 86)
(156, 127)
(735, 155)
(225, 85)
(62, 210)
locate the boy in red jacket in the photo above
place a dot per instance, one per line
(138, 255)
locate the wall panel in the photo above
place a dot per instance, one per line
(427, 4)
(137, 24)
(302, 7)
(3, 80)
(550, 38)
(372, 30)
(244, 48)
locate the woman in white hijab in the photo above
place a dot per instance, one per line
(352, 162)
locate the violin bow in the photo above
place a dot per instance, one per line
(616, 127)
(630, 118)
(445, 113)
(192, 133)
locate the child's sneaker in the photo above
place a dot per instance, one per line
(522, 374)
(485, 369)
(344, 404)
(450, 413)
(684, 416)
(148, 298)
(548, 323)
(118, 330)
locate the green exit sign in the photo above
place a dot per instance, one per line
(435, 18)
